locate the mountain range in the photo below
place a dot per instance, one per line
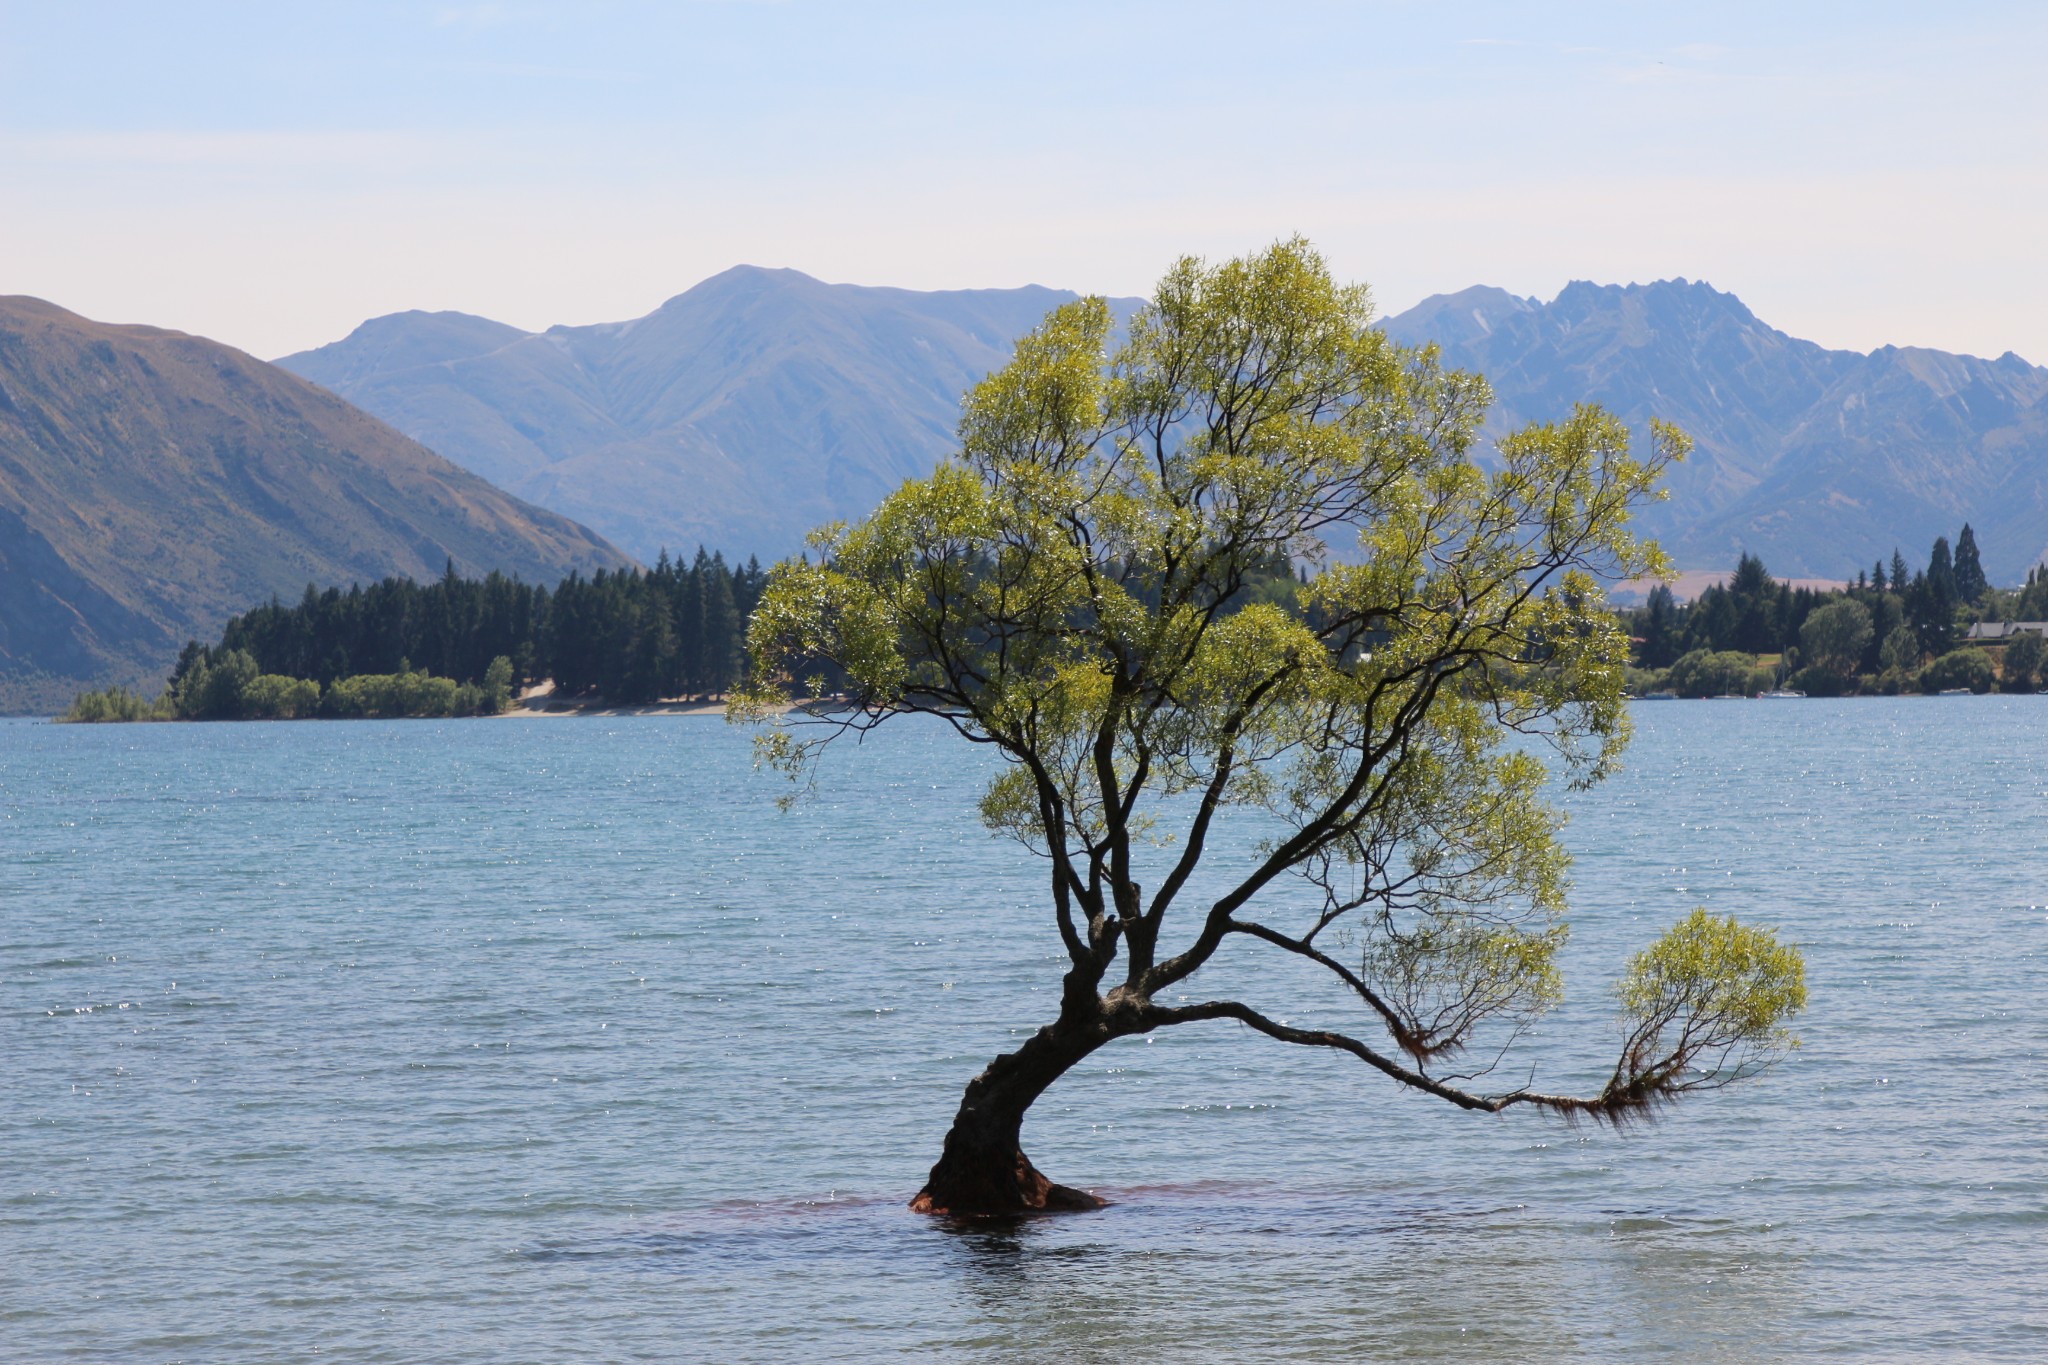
(1819, 461)
(738, 415)
(764, 402)
(153, 483)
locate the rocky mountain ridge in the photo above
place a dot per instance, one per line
(1820, 461)
(763, 402)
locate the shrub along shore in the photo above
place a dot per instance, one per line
(230, 688)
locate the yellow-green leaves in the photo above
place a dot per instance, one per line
(1455, 972)
(1102, 586)
(1717, 975)
(1707, 1004)
(1033, 420)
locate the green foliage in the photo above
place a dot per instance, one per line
(1835, 637)
(1640, 681)
(211, 689)
(1969, 568)
(633, 636)
(2030, 603)
(1658, 624)
(1706, 1004)
(226, 690)
(497, 687)
(1074, 590)
(1752, 613)
(116, 704)
(1816, 681)
(2020, 670)
(390, 695)
(271, 696)
(1901, 651)
(1701, 673)
(1969, 668)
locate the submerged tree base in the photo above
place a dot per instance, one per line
(990, 1190)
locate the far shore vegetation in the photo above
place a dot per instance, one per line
(676, 632)
(462, 647)
(1896, 629)
(230, 688)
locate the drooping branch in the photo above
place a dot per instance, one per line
(1631, 1094)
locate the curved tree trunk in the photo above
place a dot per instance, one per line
(982, 1170)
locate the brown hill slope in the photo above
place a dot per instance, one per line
(154, 483)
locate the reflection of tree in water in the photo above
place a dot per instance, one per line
(1254, 1273)
(1049, 1292)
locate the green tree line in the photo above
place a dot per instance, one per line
(1895, 629)
(631, 636)
(398, 647)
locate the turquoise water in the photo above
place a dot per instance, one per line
(506, 1040)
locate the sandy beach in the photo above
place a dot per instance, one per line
(540, 703)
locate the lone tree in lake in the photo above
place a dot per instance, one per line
(1085, 588)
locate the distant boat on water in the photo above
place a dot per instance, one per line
(1953, 692)
(1658, 696)
(1785, 694)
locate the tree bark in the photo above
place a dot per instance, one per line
(982, 1170)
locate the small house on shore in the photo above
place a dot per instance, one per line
(1996, 632)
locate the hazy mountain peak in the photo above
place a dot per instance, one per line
(741, 281)
(1464, 316)
(740, 413)
(399, 341)
(29, 306)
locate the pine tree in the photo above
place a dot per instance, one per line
(1660, 629)
(722, 633)
(1755, 599)
(1969, 568)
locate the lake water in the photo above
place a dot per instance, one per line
(553, 1040)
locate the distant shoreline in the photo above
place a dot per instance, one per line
(556, 709)
(540, 703)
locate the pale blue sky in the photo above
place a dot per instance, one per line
(271, 173)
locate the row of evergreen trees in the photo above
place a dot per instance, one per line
(631, 636)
